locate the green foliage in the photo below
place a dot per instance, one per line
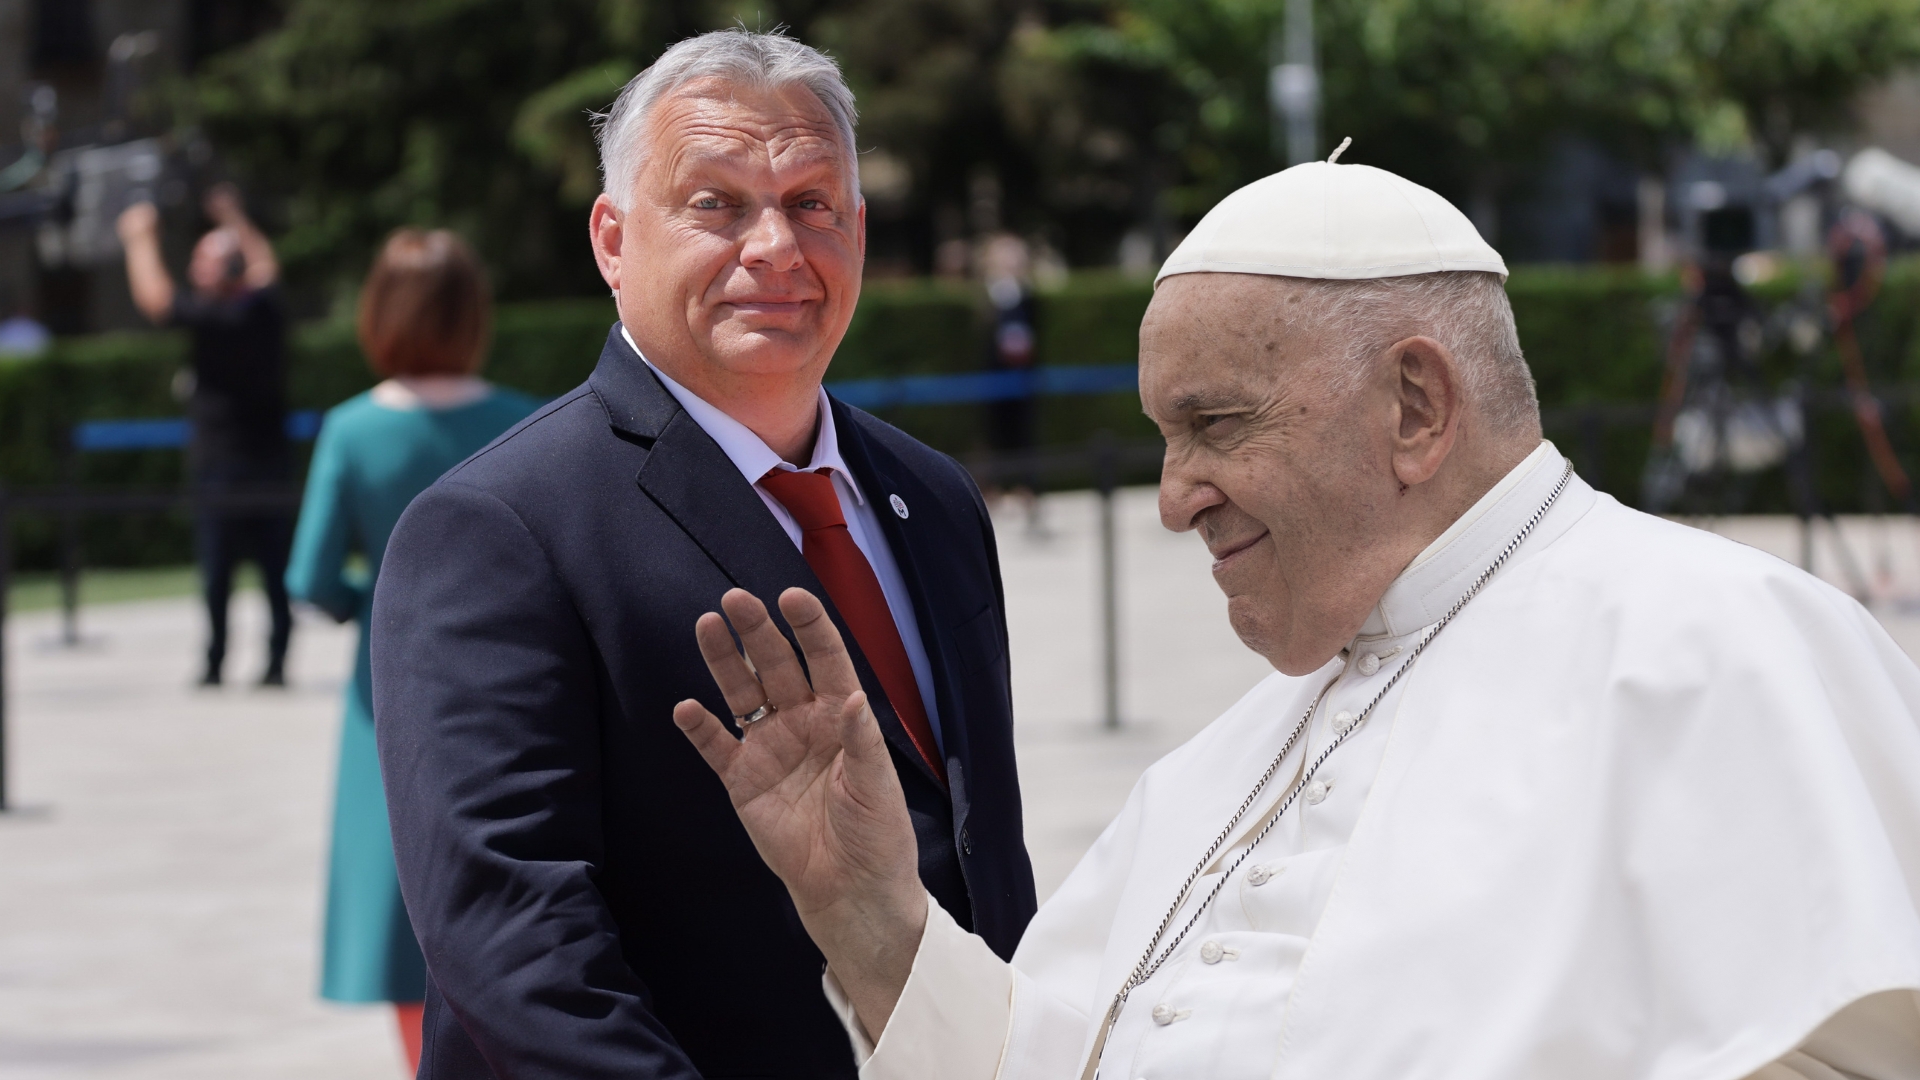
(1094, 116)
(365, 115)
(548, 128)
(1461, 95)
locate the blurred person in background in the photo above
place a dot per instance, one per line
(238, 323)
(1012, 422)
(425, 313)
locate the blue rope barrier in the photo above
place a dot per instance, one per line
(170, 433)
(981, 386)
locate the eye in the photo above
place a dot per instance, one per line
(812, 204)
(708, 202)
(1219, 425)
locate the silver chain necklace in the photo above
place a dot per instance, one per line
(1155, 955)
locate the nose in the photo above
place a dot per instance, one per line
(770, 242)
(1184, 494)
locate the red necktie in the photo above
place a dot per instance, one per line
(840, 565)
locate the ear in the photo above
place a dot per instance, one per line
(605, 225)
(1429, 399)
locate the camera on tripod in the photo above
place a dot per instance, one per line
(1718, 423)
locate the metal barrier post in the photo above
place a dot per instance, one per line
(1105, 479)
(70, 547)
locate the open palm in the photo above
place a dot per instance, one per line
(812, 782)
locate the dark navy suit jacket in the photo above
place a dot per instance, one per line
(588, 903)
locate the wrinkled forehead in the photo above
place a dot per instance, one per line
(1211, 338)
(717, 121)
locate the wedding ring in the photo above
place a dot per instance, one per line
(747, 720)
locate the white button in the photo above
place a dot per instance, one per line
(1316, 792)
(1259, 875)
(1343, 722)
(1163, 1014)
(1211, 952)
(1369, 664)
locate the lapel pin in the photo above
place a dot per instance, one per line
(899, 506)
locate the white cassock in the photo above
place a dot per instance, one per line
(1648, 809)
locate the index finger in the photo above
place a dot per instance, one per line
(827, 658)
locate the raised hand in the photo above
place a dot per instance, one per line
(137, 222)
(815, 787)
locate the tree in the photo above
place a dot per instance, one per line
(1089, 117)
(364, 115)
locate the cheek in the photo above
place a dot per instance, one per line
(833, 258)
(679, 262)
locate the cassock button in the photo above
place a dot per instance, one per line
(1316, 792)
(899, 506)
(1211, 952)
(1164, 1014)
(1343, 722)
(1369, 664)
(1259, 875)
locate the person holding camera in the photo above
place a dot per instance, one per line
(238, 324)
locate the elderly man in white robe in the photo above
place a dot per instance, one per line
(1543, 788)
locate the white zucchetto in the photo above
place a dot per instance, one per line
(1325, 220)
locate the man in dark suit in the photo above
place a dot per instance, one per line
(586, 898)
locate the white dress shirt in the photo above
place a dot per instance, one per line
(755, 459)
(1649, 808)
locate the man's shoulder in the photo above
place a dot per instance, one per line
(560, 439)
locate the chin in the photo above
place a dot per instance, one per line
(1252, 632)
(764, 357)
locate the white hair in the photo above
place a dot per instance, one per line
(1467, 311)
(762, 61)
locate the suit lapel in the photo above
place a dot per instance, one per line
(914, 542)
(694, 482)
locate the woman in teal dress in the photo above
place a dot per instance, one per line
(423, 322)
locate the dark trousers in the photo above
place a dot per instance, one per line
(223, 539)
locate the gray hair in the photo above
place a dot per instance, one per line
(1467, 311)
(763, 61)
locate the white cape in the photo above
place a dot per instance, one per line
(1650, 809)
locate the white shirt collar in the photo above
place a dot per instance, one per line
(1443, 572)
(749, 452)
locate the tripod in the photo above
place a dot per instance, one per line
(1716, 429)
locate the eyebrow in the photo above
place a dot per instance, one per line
(1204, 401)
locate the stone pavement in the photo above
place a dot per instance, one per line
(159, 894)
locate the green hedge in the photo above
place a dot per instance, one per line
(1593, 335)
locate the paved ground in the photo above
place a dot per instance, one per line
(159, 896)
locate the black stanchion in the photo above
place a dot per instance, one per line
(70, 546)
(1106, 467)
